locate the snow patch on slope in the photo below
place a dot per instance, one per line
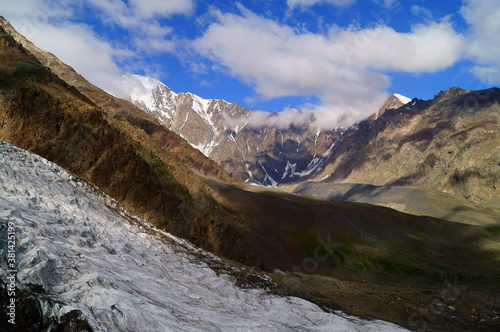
(403, 99)
(87, 253)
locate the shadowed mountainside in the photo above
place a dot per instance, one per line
(416, 201)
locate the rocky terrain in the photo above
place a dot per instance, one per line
(223, 132)
(450, 143)
(417, 143)
(111, 143)
(84, 264)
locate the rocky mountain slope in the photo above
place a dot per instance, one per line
(255, 154)
(448, 144)
(151, 171)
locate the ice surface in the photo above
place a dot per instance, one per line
(123, 274)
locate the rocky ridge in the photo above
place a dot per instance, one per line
(449, 143)
(261, 155)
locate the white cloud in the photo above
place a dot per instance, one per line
(421, 11)
(153, 37)
(308, 3)
(487, 74)
(46, 25)
(136, 13)
(147, 9)
(284, 119)
(343, 67)
(84, 51)
(483, 16)
(134, 86)
(427, 48)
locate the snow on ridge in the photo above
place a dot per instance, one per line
(403, 99)
(121, 272)
(201, 107)
(138, 89)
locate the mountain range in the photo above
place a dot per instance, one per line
(408, 142)
(362, 259)
(224, 133)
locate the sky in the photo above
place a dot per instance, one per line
(336, 59)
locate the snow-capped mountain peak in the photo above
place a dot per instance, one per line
(219, 130)
(262, 156)
(403, 99)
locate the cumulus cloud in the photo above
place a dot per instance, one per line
(427, 48)
(94, 58)
(140, 17)
(134, 13)
(483, 16)
(343, 67)
(134, 86)
(487, 74)
(147, 9)
(45, 25)
(284, 119)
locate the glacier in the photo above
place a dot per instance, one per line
(121, 273)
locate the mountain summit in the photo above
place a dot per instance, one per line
(259, 155)
(265, 155)
(407, 142)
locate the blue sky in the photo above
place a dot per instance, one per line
(337, 58)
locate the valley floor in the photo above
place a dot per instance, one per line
(451, 307)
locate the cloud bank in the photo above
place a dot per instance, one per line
(347, 68)
(343, 67)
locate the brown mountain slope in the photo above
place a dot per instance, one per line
(450, 143)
